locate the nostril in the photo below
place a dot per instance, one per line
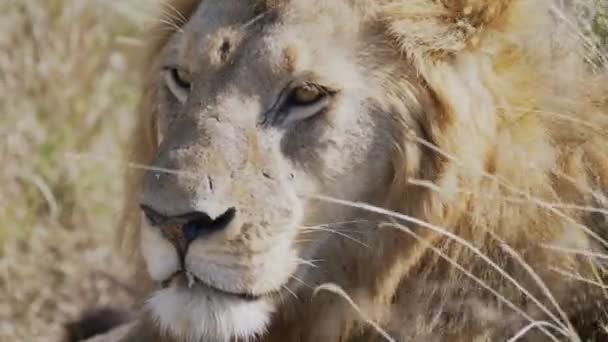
(191, 231)
(224, 220)
(202, 224)
(183, 229)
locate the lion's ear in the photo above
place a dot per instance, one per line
(438, 28)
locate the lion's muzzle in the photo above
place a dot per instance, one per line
(219, 204)
(182, 230)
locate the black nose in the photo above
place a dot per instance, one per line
(200, 224)
(183, 229)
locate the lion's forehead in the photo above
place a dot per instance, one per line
(277, 36)
(212, 15)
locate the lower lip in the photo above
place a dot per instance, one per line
(185, 281)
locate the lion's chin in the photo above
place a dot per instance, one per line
(197, 314)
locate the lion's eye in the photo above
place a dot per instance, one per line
(305, 101)
(179, 82)
(305, 95)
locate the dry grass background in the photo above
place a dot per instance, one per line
(67, 85)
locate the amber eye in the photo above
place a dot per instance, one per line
(305, 101)
(307, 94)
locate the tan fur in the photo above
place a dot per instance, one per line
(513, 123)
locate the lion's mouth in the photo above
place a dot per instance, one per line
(185, 279)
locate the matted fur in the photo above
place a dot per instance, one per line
(514, 149)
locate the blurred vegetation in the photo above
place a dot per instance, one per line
(66, 86)
(600, 25)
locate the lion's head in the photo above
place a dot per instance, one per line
(439, 110)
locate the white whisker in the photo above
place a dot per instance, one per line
(178, 15)
(286, 288)
(81, 157)
(335, 289)
(337, 223)
(481, 283)
(310, 263)
(505, 246)
(170, 24)
(579, 278)
(300, 281)
(576, 252)
(332, 231)
(529, 327)
(446, 233)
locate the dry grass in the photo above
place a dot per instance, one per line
(600, 26)
(66, 86)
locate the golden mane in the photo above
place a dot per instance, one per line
(499, 73)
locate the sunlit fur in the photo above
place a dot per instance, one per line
(510, 147)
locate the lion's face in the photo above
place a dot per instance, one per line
(255, 112)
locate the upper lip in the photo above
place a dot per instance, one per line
(242, 296)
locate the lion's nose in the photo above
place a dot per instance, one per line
(183, 229)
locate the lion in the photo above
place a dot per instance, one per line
(358, 170)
